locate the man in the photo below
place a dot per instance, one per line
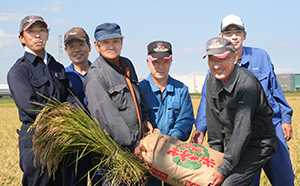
(239, 116)
(168, 100)
(114, 97)
(279, 168)
(78, 46)
(36, 73)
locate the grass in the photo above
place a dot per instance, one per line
(10, 173)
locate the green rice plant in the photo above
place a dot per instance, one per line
(62, 129)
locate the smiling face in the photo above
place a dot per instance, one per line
(78, 51)
(35, 38)
(222, 69)
(110, 49)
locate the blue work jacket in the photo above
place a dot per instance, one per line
(171, 111)
(259, 63)
(77, 83)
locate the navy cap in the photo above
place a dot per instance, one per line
(107, 31)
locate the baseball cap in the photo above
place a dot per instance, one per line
(76, 33)
(219, 47)
(30, 20)
(232, 20)
(107, 31)
(159, 50)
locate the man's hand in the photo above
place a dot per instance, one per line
(217, 179)
(287, 131)
(139, 149)
(197, 137)
(147, 127)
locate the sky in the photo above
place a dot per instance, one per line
(272, 25)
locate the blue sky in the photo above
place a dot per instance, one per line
(272, 25)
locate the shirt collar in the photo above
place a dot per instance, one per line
(31, 52)
(154, 88)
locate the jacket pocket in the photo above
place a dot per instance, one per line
(173, 111)
(119, 94)
(37, 83)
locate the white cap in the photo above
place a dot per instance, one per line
(232, 20)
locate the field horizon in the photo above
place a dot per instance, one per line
(11, 174)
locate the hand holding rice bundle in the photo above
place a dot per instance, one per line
(61, 129)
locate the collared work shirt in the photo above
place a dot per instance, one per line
(171, 111)
(238, 116)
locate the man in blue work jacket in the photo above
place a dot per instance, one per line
(279, 168)
(168, 100)
(33, 77)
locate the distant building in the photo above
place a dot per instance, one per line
(289, 82)
(194, 82)
(4, 91)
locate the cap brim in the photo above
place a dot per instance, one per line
(109, 36)
(28, 26)
(220, 56)
(240, 26)
(151, 58)
(77, 38)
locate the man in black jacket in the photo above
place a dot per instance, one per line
(35, 74)
(239, 116)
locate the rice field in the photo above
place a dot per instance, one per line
(10, 173)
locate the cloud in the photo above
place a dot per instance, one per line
(60, 22)
(7, 39)
(56, 7)
(6, 17)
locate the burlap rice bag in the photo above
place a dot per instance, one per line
(179, 163)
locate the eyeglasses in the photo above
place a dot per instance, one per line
(230, 33)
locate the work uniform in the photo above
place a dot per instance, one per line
(279, 168)
(170, 111)
(29, 79)
(239, 124)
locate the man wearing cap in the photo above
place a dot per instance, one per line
(78, 46)
(36, 73)
(114, 97)
(239, 116)
(279, 168)
(168, 100)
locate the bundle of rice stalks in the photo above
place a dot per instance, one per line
(61, 129)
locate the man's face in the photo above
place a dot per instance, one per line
(78, 51)
(110, 49)
(35, 37)
(222, 69)
(235, 35)
(159, 69)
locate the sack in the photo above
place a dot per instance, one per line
(179, 163)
